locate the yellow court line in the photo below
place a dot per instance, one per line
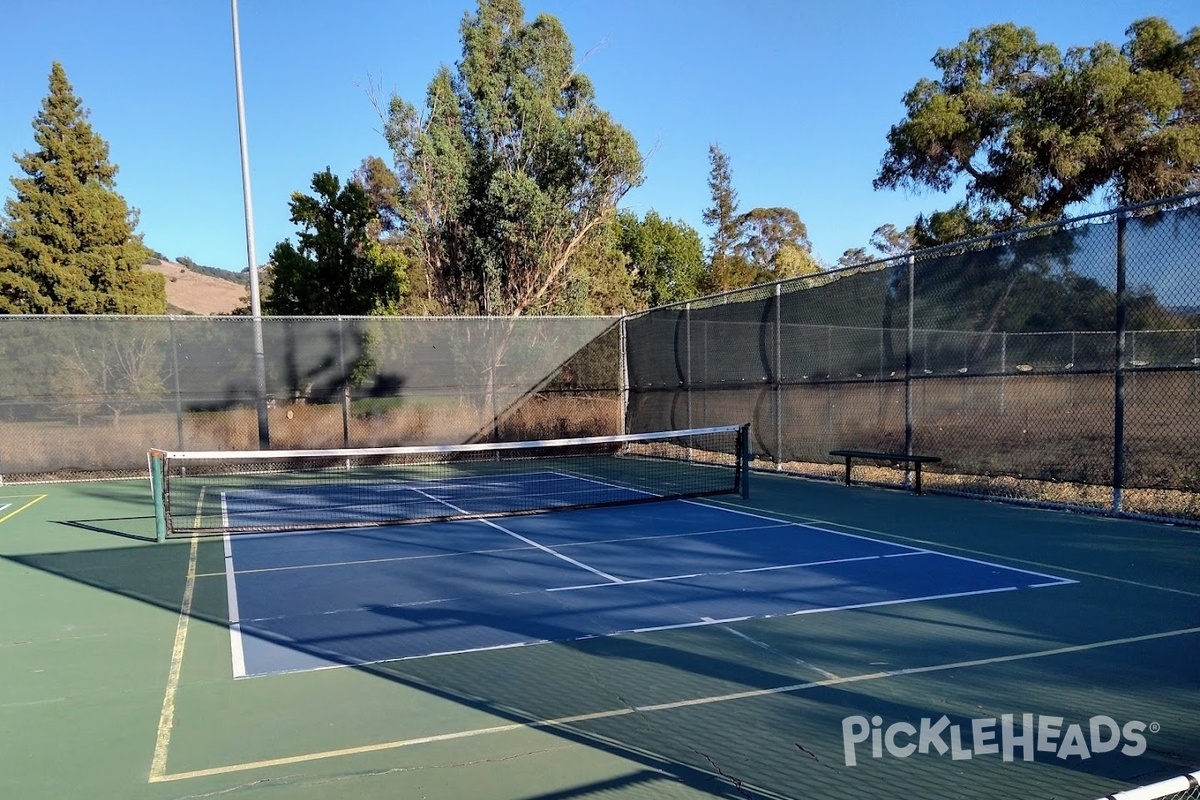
(162, 742)
(699, 701)
(22, 508)
(166, 719)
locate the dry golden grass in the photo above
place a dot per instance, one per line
(1172, 503)
(199, 294)
(1046, 434)
(58, 449)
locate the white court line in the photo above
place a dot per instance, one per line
(917, 550)
(907, 552)
(1056, 579)
(398, 486)
(779, 653)
(700, 623)
(527, 541)
(687, 576)
(1072, 570)
(902, 601)
(491, 550)
(810, 526)
(560, 722)
(808, 564)
(721, 573)
(775, 522)
(606, 483)
(630, 582)
(236, 650)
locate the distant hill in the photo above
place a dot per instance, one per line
(198, 289)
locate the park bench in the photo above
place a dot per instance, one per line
(872, 455)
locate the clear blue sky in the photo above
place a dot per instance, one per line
(799, 93)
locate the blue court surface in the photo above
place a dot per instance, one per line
(320, 599)
(378, 501)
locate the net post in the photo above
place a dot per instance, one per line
(157, 463)
(743, 473)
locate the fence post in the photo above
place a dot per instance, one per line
(829, 437)
(345, 384)
(829, 352)
(908, 368)
(493, 358)
(1003, 366)
(704, 326)
(881, 393)
(1072, 379)
(1119, 372)
(778, 376)
(687, 381)
(623, 373)
(175, 372)
(1195, 360)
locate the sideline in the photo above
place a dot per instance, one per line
(166, 719)
(13, 513)
(645, 709)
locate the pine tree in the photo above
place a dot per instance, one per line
(67, 242)
(727, 270)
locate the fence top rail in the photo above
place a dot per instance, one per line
(999, 238)
(613, 318)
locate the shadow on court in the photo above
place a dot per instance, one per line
(755, 709)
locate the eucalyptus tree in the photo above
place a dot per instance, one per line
(666, 257)
(1032, 131)
(508, 168)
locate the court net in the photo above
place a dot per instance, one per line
(213, 493)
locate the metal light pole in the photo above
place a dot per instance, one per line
(260, 365)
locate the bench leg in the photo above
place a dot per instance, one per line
(917, 484)
(847, 470)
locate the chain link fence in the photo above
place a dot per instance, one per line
(1058, 364)
(86, 395)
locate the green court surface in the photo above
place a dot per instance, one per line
(116, 682)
